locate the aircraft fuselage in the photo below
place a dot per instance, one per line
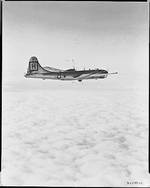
(70, 75)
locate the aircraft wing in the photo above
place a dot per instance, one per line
(85, 75)
(53, 69)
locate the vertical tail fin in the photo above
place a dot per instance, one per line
(34, 66)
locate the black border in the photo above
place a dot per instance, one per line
(1, 18)
(1, 4)
(88, 0)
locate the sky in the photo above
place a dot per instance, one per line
(106, 35)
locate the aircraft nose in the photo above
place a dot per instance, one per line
(105, 71)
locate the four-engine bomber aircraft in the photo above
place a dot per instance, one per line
(36, 71)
